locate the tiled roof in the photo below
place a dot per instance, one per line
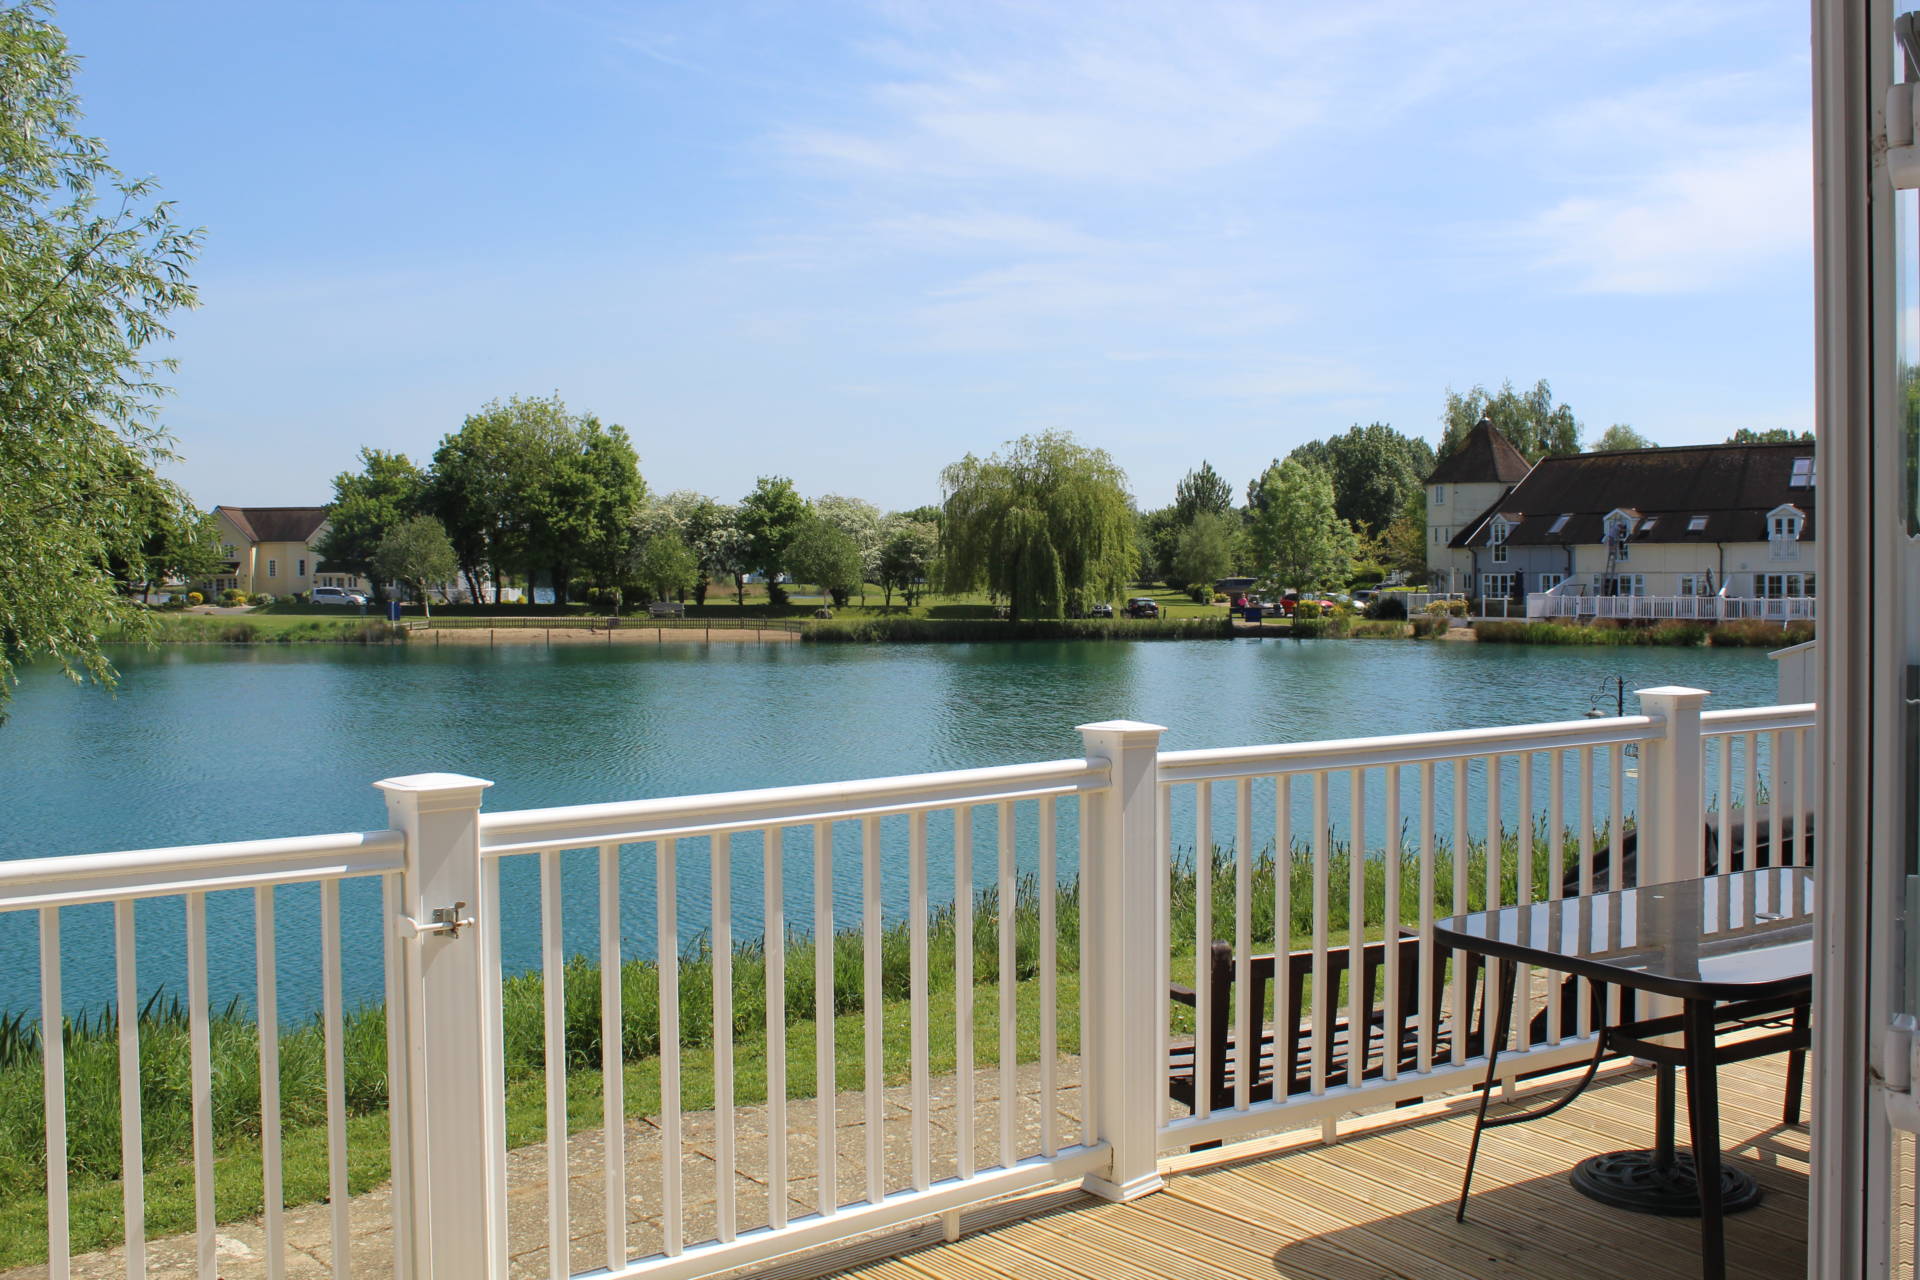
(1484, 457)
(1729, 487)
(277, 524)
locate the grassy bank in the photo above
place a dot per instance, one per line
(92, 1062)
(1747, 633)
(256, 628)
(909, 630)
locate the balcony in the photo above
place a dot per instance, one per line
(516, 986)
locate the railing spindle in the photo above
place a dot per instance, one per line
(1203, 994)
(613, 1073)
(267, 1006)
(1245, 1039)
(963, 987)
(553, 995)
(1322, 989)
(1462, 1012)
(133, 1189)
(875, 1064)
(336, 1075)
(1556, 873)
(774, 948)
(1392, 1030)
(1429, 1007)
(399, 1079)
(1086, 942)
(666, 893)
(1750, 794)
(917, 998)
(1049, 984)
(1723, 843)
(825, 1024)
(53, 1092)
(1616, 843)
(1009, 987)
(1359, 1016)
(1523, 881)
(200, 1070)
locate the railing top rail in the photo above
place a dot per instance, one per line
(1792, 715)
(576, 826)
(137, 873)
(1410, 748)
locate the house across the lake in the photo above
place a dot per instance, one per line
(1713, 530)
(270, 551)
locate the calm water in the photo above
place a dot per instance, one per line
(222, 744)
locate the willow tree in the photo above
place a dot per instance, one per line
(1047, 525)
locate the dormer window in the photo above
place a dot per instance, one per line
(1784, 526)
(1560, 522)
(1802, 477)
(1618, 526)
(1696, 524)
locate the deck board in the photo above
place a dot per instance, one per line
(1379, 1205)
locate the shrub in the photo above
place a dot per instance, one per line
(233, 596)
(259, 598)
(1388, 606)
(194, 597)
(1306, 611)
(1439, 608)
(1758, 633)
(1366, 628)
(1220, 597)
(174, 602)
(1429, 625)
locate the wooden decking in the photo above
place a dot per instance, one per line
(1380, 1204)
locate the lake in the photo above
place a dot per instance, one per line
(207, 744)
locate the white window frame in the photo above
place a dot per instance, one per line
(1560, 522)
(1439, 495)
(1499, 553)
(1487, 581)
(1548, 581)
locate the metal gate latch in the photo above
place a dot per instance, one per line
(447, 920)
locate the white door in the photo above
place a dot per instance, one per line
(1867, 282)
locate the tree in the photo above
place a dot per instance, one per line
(91, 267)
(1299, 540)
(1048, 525)
(579, 517)
(367, 505)
(707, 527)
(770, 519)
(1373, 469)
(666, 566)
(1620, 437)
(1201, 491)
(1157, 533)
(906, 557)
(824, 554)
(478, 486)
(1403, 544)
(1530, 421)
(416, 554)
(1205, 553)
(861, 521)
(1772, 435)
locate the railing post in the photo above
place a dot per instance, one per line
(1121, 1064)
(453, 1188)
(1671, 819)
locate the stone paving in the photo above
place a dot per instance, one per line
(241, 1246)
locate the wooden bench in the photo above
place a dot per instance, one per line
(1295, 1047)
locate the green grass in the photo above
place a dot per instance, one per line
(1745, 633)
(92, 1062)
(256, 628)
(902, 630)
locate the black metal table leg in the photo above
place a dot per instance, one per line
(1503, 1018)
(1703, 1119)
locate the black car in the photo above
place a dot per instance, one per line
(1142, 607)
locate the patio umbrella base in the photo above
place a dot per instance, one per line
(1636, 1181)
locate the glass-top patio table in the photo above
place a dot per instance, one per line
(1732, 949)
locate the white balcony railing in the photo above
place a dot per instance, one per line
(1316, 848)
(1783, 609)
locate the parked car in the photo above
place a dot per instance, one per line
(1143, 607)
(1101, 610)
(336, 595)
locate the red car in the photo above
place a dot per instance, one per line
(1287, 603)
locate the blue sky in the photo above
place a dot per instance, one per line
(850, 242)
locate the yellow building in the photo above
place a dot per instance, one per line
(269, 551)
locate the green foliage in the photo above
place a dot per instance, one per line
(1620, 437)
(1204, 553)
(770, 519)
(1375, 471)
(1048, 524)
(907, 556)
(1403, 543)
(1772, 435)
(91, 268)
(1157, 535)
(896, 629)
(1428, 625)
(233, 596)
(1677, 632)
(367, 506)
(665, 566)
(1529, 420)
(1201, 492)
(1299, 539)
(863, 526)
(826, 556)
(416, 554)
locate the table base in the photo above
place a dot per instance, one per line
(1635, 1181)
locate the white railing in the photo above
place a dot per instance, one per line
(1313, 854)
(1555, 604)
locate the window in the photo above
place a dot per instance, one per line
(1646, 526)
(226, 550)
(271, 568)
(1497, 531)
(1802, 477)
(300, 572)
(1775, 585)
(1623, 551)
(1624, 584)
(1494, 585)
(1694, 584)
(1785, 527)
(1696, 524)
(1439, 495)
(1499, 553)
(1560, 522)
(1548, 581)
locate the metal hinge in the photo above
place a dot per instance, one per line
(447, 920)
